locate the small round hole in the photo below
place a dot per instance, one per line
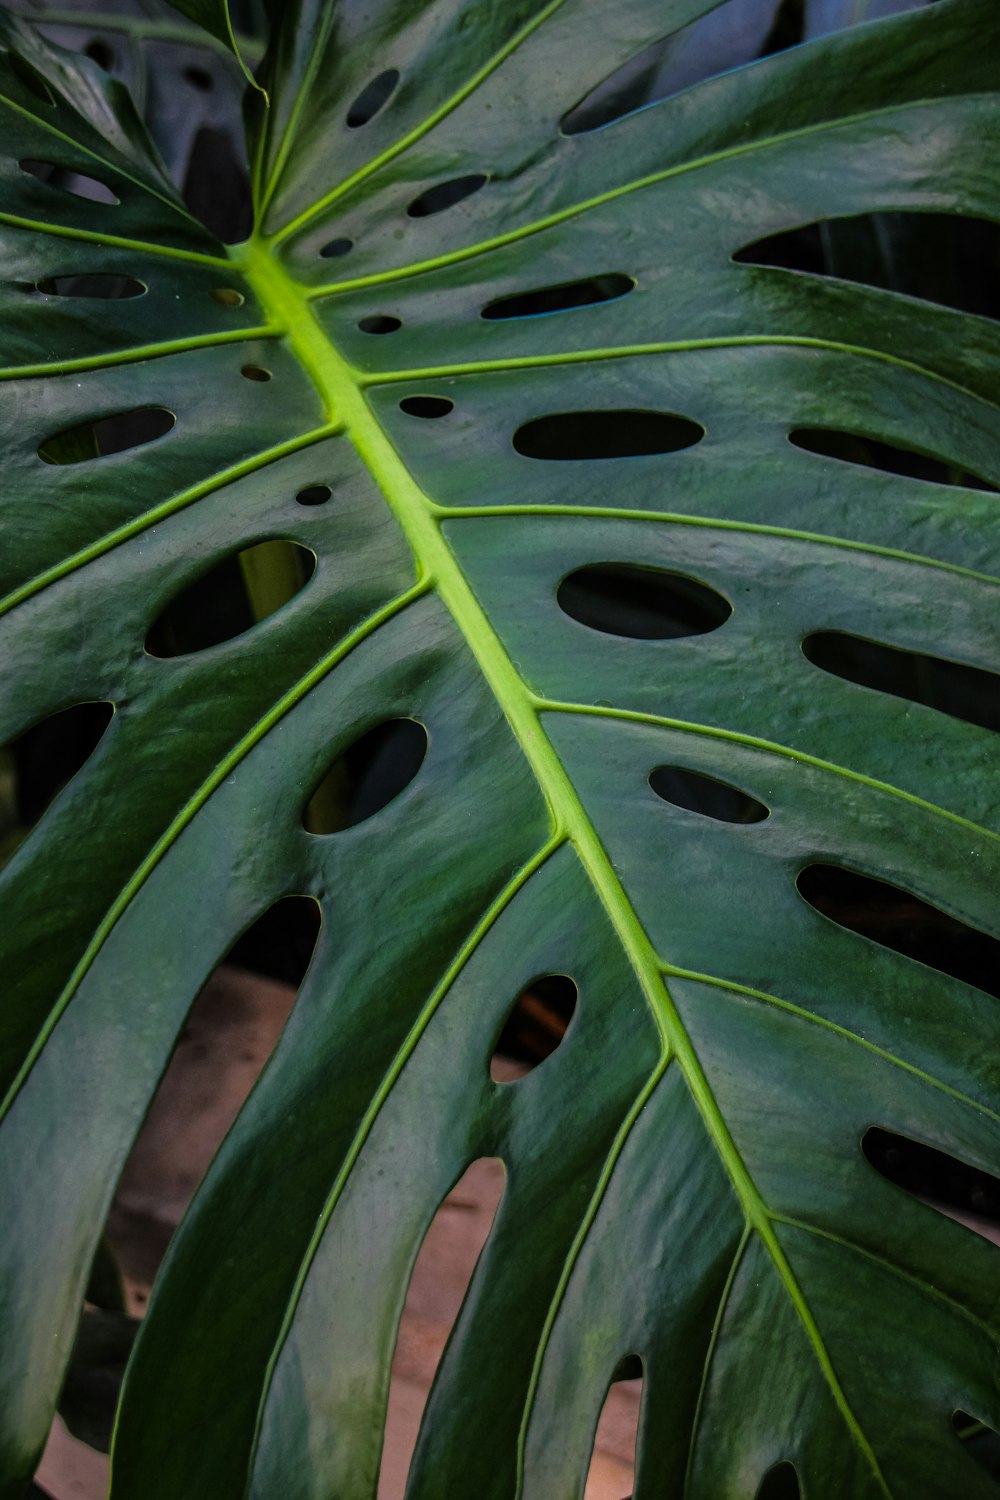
(227, 296)
(100, 53)
(380, 323)
(335, 248)
(426, 406)
(199, 79)
(255, 372)
(314, 494)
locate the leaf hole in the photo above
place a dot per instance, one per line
(434, 200)
(255, 372)
(613, 1455)
(228, 1037)
(373, 97)
(314, 494)
(646, 604)
(199, 79)
(367, 776)
(781, 1482)
(942, 1181)
(100, 52)
(428, 407)
(227, 296)
(948, 259)
(439, 1282)
(235, 594)
(870, 453)
(380, 323)
(897, 919)
(107, 435)
(575, 435)
(77, 184)
(697, 793)
(101, 286)
(334, 249)
(560, 298)
(535, 1026)
(41, 761)
(971, 694)
(30, 78)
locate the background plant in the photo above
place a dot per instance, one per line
(679, 550)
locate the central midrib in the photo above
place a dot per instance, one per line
(286, 306)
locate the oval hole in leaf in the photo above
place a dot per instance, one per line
(448, 1256)
(968, 693)
(959, 1191)
(618, 1429)
(780, 1483)
(434, 200)
(897, 919)
(233, 596)
(980, 1441)
(373, 97)
(255, 372)
(42, 760)
(606, 434)
(314, 494)
(429, 407)
(107, 435)
(560, 298)
(227, 1039)
(380, 323)
(535, 1026)
(78, 184)
(227, 296)
(949, 259)
(698, 793)
(870, 453)
(104, 286)
(200, 79)
(333, 249)
(32, 80)
(645, 604)
(100, 52)
(367, 776)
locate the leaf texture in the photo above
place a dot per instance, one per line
(685, 1180)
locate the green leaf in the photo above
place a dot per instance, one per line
(216, 17)
(183, 80)
(685, 1178)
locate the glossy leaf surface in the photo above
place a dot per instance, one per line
(685, 1181)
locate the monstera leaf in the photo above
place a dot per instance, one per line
(673, 566)
(184, 81)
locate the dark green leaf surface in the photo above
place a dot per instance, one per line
(684, 1177)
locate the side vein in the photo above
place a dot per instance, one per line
(710, 1354)
(548, 705)
(136, 355)
(677, 346)
(490, 917)
(158, 513)
(753, 528)
(116, 241)
(184, 817)
(844, 1032)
